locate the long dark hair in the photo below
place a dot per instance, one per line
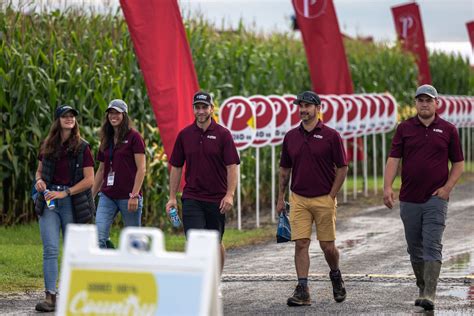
(51, 147)
(107, 132)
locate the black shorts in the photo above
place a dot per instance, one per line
(202, 215)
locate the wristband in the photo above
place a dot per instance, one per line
(134, 195)
(68, 191)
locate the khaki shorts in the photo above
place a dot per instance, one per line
(304, 211)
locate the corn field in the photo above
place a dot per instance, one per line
(85, 60)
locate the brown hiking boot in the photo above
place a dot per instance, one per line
(48, 305)
(300, 297)
(338, 288)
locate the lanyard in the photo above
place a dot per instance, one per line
(111, 154)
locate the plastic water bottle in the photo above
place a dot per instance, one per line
(50, 203)
(174, 217)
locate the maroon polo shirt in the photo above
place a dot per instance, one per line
(207, 155)
(62, 174)
(313, 157)
(123, 164)
(425, 152)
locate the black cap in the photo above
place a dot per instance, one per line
(308, 97)
(63, 109)
(202, 97)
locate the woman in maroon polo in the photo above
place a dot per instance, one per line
(121, 171)
(62, 145)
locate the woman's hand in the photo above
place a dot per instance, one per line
(40, 185)
(55, 195)
(132, 204)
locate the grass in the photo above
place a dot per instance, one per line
(21, 251)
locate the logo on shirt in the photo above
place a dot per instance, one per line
(318, 136)
(437, 130)
(211, 137)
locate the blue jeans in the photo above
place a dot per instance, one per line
(108, 209)
(50, 223)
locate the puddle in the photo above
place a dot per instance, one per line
(465, 293)
(361, 239)
(459, 265)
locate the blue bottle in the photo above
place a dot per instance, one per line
(174, 217)
(50, 203)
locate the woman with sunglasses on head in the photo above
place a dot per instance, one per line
(65, 170)
(121, 171)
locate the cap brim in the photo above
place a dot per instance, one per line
(115, 108)
(202, 102)
(424, 93)
(75, 112)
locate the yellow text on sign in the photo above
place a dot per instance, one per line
(94, 292)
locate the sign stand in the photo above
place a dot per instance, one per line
(273, 184)
(364, 168)
(257, 186)
(374, 160)
(140, 277)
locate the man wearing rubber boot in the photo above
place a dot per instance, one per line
(314, 155)
(425, 143)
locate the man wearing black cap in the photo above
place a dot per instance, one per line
(424, 143)
(211, 160)
(314, 155)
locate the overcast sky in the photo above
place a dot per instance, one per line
(444, 20)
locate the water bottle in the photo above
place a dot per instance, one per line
(174, 216)
(50, 203)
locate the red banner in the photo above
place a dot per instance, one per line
(162, 49)
(470, 31)
(409, 28)
(325, 51)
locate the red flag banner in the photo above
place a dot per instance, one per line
(470, 31)
(325, 51)
(410, 32)
(162, 49)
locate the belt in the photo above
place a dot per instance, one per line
(59, 187)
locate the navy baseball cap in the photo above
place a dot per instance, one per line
(308, 97)
(118, 105)
(202, 97)
(63, 109)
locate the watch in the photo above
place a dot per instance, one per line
(68, 191)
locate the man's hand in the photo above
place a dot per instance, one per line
(280, 207)
(388, 198)
(171, 203)
(442, 193)
(226, 203)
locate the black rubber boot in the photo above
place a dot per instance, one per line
(431, 275)
(418, 270)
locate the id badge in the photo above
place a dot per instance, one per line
(110, 178)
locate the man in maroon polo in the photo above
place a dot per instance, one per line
(425, 143)
(314, 155)
(211, 160)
